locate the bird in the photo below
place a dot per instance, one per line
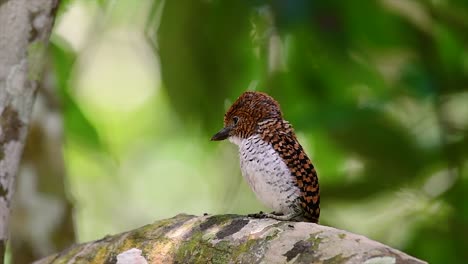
(272, 161)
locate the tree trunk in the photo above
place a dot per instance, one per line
(25, 27)
(42, 214)
(231, 239)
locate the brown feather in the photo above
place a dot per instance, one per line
(281, 136)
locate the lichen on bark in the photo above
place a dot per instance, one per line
(231, 239)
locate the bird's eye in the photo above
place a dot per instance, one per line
(235, 119)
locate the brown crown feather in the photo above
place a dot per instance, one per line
(251, 108)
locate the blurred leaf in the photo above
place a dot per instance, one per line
(386, 149)
(77, 125)
(450, 49)
(433, 243)
(63, 7)
(205, 52)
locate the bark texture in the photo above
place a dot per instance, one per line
(231, 239)
(25, 27)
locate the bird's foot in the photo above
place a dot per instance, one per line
(260, 214)
(276, 216)
(287, 217)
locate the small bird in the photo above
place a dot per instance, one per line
(271, 159)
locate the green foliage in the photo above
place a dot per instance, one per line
(77, 126)
(204, 50)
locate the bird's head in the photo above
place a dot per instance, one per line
(242, 118)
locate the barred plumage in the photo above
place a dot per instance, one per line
(272, 160)
(281, 136)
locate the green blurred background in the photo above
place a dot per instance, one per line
(376, 90)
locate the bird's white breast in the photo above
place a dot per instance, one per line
(266, 173)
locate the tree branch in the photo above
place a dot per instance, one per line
(231, 239)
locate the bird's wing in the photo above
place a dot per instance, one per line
(292, 153)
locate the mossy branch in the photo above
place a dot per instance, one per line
(231, 239)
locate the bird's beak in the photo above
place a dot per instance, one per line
(222, 134)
